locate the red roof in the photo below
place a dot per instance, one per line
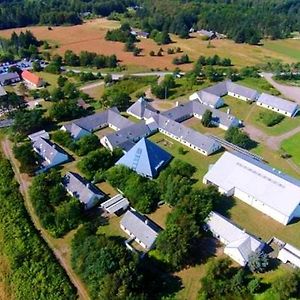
(34, 79)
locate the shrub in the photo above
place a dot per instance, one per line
(270, 118)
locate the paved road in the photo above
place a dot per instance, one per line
(59, 253)
(290, 92)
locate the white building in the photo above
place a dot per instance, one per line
(279, 105)
(207, 98)
(238, 244)
(256, 183)
(290, 254)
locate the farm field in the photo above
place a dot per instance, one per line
(90, 36)
(292, 147)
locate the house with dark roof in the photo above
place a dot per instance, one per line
(88, 194)
(145, 158)
(50, 153)
(9, 78)
(239, 245)
(279, 105)
(32, 79)
(207, 98)
(140, 34)
(140, 229)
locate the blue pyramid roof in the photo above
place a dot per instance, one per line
(146, 158)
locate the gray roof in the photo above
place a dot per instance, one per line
(207, 33)
(209, 98)
(187, 134)
(241, 90)
(81, 188)
(96, 121)
(219, 89)
(8, 76)
(40, 134)
(126, 137)
(187, 110)
(141, 227)
(2, 91)
(141, 108)
(115, 204)
(278, 103)
(47, 150)
(233, 236)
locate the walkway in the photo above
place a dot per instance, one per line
(290, 92)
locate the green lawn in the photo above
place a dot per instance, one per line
(292, 147)
(112, 228)
(259, 84)
(51, 79)
(285, 125)
(274, 159)
(192, 157)
(287, 47)
(259, 224)
(238, 108)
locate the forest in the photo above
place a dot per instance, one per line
(34, 272)
(243, 20)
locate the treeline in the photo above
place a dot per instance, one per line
(23, 45)
(20, 13)
(243, 21)
(31, 262)
(58, 212)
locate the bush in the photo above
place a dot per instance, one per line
(270, 118)
(258, 262)
(27, 158)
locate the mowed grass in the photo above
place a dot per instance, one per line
(284, 126)
(260, 84)
(50, 79)
(258, 223)
(274, 159)
(199, 161)
(287, 47)
(292, 147)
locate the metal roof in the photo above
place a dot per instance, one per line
(145, 158)
(278, 103)
(140, 107)
(141, 227)
(81, 188)
(8, 76)
(115, 204)
(264, 183)
(40, 134)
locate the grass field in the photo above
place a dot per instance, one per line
(259, 84)
(90, 36)
(292, 147)
(192, 157)
(285, 125)
(259, 224)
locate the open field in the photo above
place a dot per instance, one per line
(258, 223)
(90, 36)
(292, 147)
(160, 215)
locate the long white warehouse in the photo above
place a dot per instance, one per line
(259, 185)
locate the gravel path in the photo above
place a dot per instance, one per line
(290, 92)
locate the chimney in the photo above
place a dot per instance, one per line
(88, 185)
(177, 103)
(146, 222)
(228, 111)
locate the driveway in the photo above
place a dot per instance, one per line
(290, 92)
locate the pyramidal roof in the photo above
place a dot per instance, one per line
(145, 158)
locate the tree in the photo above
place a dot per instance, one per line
(116, 98)
(206, 118)
(258, 262)
(61, 80)
(87, 144)
(235, 136)
(36, 66)
(28, 121)
(288, 285)
(27, 157)
(65, 110)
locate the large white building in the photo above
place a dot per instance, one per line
(289, 254)
(239, 245)
(256, 183)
